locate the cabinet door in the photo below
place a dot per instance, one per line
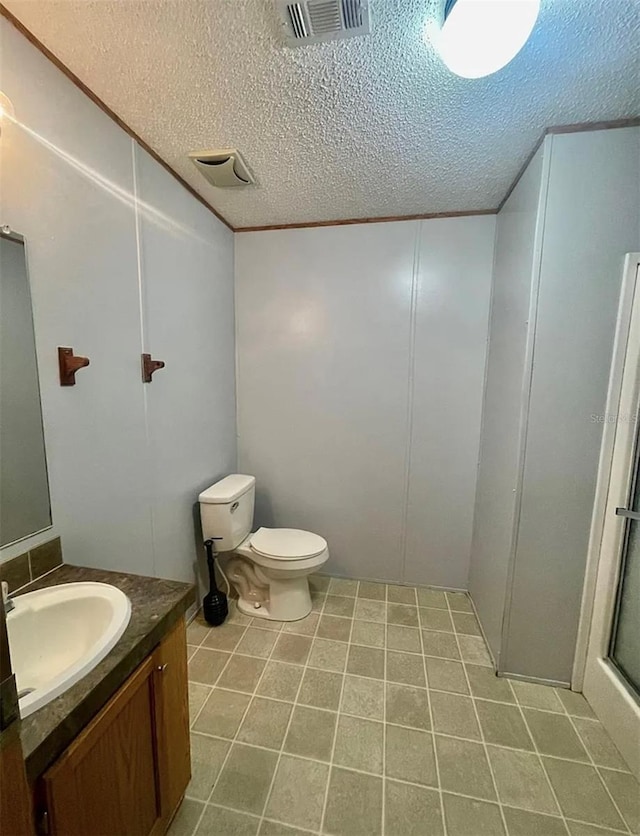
(107, 781)
(172, 718)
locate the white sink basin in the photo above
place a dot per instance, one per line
(57, 635)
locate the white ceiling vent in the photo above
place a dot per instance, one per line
(224, 167)
(312, 21)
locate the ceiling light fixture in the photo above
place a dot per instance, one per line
(479, 37)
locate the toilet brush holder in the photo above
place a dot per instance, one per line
(214, 605)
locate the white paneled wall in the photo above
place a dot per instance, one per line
(360, 363)
(121, 259)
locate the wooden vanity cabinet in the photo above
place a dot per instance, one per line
(127, 771)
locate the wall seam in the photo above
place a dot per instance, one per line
(150, 465)
(413, 312)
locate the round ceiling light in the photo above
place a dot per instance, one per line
(479, 37)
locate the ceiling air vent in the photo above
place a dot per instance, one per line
(312, 21)
(224, 167)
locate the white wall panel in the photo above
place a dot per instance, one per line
(451, 320)
(323, 344)
(507, 383)
(67, 186)
(187, 274)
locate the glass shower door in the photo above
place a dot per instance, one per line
(625, 638)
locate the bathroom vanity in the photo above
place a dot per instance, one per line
(111, 754)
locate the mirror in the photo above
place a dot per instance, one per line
(24, 486)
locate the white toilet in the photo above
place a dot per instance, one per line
(269, 568)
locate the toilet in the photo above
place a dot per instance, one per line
(269, 567)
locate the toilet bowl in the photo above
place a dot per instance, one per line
(269, 567)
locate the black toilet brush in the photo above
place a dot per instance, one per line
(214, 605)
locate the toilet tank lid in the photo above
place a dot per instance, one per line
(227, 489)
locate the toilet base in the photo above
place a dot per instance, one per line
(288, 600)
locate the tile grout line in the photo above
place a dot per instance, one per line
(431, 723)
(242, 719)
(480, 729)
(384, 711)
(293, 709)
(335, 732)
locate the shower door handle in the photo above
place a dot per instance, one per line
(628, 513)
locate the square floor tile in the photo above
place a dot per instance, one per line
(524, 823)
(402, 614)
(363, 697)
(339, 605)
(222, 713)
(581, 793)
(263, 623)
(577, 828)
(459, 601)
(317, 601)
(274, 828)
(186, 819)
(463, 768)
(197, 696)
(433, 619)
(368, 633)
(404, 638)
(298, 792)
(454, 714)
(242, 673)
(359, 744)
(486, 685)
(445, 675)
(292, 648)
(207, 757)
(431, 598)
(442, 645)
(237, 617)
(598, 743)
(574, 703)
(474, 650)
(407, 706)
(368, 610)
(411, 811)
(304, 626)
(280, 680)
(354, 804)
(467, 623)
(217, 820)
(245, 778)
(191, 649)
(468, 817)
(373, 591)
(405, 668)
(342, 586)
(328, 655)
(205, 666)
(319, 583)
(521, 780)
(265, 723)
(321, 689)
(536, 696)
(225, 637)
(626, 794)
(409, 756)
(366, 661)
(503, 725)
(334, 627)
(311, 733)
(197, 631)
(257, 642)
(554, 735)
(401, 594)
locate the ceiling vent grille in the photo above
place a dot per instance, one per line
(312, 21)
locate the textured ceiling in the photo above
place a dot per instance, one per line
(367, 127)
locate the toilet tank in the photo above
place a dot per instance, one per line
(226, 511)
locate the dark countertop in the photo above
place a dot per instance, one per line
(156, 605)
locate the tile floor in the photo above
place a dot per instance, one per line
(379, 714)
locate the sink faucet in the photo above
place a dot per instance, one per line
(6, 598)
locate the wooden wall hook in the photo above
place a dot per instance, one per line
(68, 365)
(150, 366)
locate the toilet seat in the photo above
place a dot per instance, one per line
(287, 543)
